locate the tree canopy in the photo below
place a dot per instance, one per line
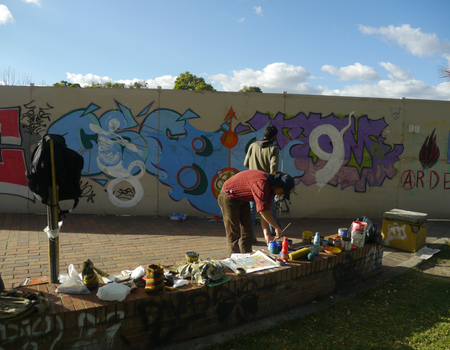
(445, 72)
(64, 83)
(107, 85)
(187, 81)
(250, 89)
(141, 84)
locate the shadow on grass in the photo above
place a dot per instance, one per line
(408, 311)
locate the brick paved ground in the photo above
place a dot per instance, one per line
(115, 243)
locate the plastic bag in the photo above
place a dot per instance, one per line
(73, 284)
(207, 271)
(179, 283)
(113, 291)
(138, 272)
(372, 234)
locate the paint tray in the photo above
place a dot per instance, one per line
(178, 217)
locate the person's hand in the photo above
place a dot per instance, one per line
(278, 233)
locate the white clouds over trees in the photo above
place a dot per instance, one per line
(280, 76)
(166, 81)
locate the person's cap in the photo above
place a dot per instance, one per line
(286, 182)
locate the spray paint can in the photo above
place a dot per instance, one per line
(316, 243)
(343, 232)
(284, 255)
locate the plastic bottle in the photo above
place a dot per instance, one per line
(195, 273)
(316, 243)
(285, 249)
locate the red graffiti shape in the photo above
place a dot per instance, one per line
(407, 180)
(12, 167)
(8, 121)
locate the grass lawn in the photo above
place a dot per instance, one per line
(409, 311)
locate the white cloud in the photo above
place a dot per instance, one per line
(275, 77)
(37, 2)
(415, 89)
(5, 15)
(356, 71)
(166, 81)
(447, 57)
(240, 20)
(279, 77)
(397, 72)
(258, 10)
(413, 40)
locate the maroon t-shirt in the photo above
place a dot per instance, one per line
(250, 186)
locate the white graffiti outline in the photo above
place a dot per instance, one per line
(110, 161)
(109, 332)
(395, 231)
(373, 258)
(30, 331)
(335, 158)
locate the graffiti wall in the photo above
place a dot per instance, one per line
(157, 152)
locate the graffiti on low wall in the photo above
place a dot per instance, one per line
(430, 174)
(119, 147)
(158, 321)
(352, 148)
(16, 140)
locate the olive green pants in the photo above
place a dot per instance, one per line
(237, 220)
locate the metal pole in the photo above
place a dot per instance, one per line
(159, 153)
(52, 220)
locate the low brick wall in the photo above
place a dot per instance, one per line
(145, 322)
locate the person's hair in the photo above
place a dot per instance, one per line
(276, 172)
(270, 132)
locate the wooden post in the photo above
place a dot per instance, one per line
(53, 220)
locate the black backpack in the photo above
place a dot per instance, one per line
(68, 167)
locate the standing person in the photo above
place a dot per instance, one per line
(251, 186)
(263, 155)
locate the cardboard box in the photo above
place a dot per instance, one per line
(406, 230)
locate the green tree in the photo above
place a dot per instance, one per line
(64, 83)
(250, 89)
(107, 85)
(141, 84)
(95, 85)
(187, 81)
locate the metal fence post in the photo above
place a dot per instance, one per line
(52, 220)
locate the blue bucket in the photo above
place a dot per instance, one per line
(274, 247)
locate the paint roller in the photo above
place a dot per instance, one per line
(299, 253)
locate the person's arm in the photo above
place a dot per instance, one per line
(274, 160)
(247, 159)
(266, 219)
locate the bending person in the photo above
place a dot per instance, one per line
(237, 192)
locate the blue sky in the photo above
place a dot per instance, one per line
(388, 49)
